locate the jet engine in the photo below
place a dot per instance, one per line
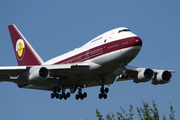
(144, 75)
(36, 73)
(162, 77)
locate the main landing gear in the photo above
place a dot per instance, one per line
(80, 95)
(64, 95)
(60, 96)
(103, 91)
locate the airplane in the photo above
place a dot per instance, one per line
(101, 61)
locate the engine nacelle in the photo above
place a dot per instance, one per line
(36, 73)
(162, 77)
(144, 75)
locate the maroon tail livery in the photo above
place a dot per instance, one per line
(25, 54)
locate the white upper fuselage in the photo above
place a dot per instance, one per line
(103, 45)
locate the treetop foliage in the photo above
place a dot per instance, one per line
(144, 113)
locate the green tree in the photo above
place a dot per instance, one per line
(144, 113)
(147, 113)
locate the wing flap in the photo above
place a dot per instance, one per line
(108, 80)
(67, 69)
(4, 77)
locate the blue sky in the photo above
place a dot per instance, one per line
(56, 27)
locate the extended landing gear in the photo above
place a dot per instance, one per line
(64, 95)
(103, 91)
(55, 92)
(123, 75)
(80, 95)
(60, 96)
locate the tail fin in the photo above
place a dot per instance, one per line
(25, 54)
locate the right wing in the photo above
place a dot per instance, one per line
(37, 75)
(146, 74)
(10, 74)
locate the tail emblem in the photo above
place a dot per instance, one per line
(20, 49)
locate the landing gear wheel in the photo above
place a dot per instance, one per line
(125, 76)
(100, 96)
(52, 95)
(77, 96)
(80, 95)
(58, 89)
(68, 94)
(121, 76)
(105, 95)
(57, 95)
(103, 91)
(65, 96)
(60, 96)
(106, 90)
(84, 94)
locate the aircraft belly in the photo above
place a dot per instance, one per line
(110, 62)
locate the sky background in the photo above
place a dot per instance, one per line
(56, 27)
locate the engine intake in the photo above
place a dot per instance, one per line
(38, 73)
(162, 77)
(144, 75)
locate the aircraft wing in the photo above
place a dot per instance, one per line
(146, 74)
(13, 70)
(96, 82)
(21, 73)
(18, 74)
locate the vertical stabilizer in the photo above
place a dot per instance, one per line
(25, 54)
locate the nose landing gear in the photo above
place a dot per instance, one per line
(123, 75)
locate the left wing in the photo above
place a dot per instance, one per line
(146, 74)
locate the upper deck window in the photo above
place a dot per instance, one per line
(123, 30)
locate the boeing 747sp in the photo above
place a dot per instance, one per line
(97, 63)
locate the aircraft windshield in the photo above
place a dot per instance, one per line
(123, 30)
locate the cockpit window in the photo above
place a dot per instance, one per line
(123, 30)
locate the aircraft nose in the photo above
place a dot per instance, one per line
(137, 42)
